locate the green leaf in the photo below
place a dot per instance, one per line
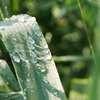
(71, 58)
(3, 10)
(8, 76)
(31, 59)
(11, 96)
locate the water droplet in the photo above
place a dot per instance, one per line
(24, 89)
(31, 41)
(34, 54)
(21, 19)
(35, 32)
(21, 80)
(41, 66)
(43, 70)
(26, 60)
(46, 51)
(25, 98)
(46, 46)
(48, 57)
(34, 61)
(22, 50)
(1, 28)
(32, 47)
(28, 80)
(24, 93)
(45, 80)
(55, 93)
(15, 50)
(16, 58)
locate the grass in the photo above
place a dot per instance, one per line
(46, 84)
(34, 70)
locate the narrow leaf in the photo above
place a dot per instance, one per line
(11, 96)
(8, 76)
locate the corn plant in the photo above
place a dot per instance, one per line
(26, 66)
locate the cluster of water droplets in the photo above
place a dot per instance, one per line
(44, 56)
(32, 49)
(35, 57)
(33, 52)
(42, 53)
(46, 51)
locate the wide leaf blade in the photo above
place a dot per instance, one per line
(31, 58)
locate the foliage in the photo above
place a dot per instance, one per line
(63, 28)
(30, 60)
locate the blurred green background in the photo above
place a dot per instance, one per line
(63, 29)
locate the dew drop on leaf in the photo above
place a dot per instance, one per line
(24, 89)
(16, 58)
(21, 80)
(34, 54)
(26, 60)
(31, 41)
(35, 32)
(46, 46)
(43, 70)
(21, 19)
(32, 47)
(55, 93)
(28, 80)
(48, 57)
(24, 93)
(45, 80)
(15, 50)
(46, 51)
(25, 98)
(34, 61)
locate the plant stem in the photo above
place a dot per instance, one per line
(87, 33)
(71, 58)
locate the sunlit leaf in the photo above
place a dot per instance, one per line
(31, 59)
